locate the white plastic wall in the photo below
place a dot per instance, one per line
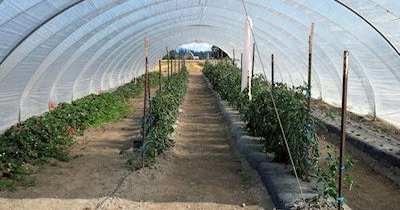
(63, 50)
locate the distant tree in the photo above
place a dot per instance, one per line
(218, 53)
(215, 50)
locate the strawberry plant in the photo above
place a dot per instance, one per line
(50, 135)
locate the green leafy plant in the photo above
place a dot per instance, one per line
(260, 120)
(50, 135)
(260, 117)
(329, 176)
(163, 113)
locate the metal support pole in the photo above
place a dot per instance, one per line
(343, 126)
(272, 71)
(252, 71)
(252, 62)
(309, 68)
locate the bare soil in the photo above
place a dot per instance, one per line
(374, 124)
(201, 171)
(191, 65)
(376, 186)
(372, 189)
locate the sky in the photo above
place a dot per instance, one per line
(197, 47)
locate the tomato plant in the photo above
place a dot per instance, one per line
(260, 120)
(163, 113)
(260, 117)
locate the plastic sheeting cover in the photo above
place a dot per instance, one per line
(56, 51)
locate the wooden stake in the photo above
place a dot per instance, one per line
(172, 69)
(343, 126)
(145, 101)
(241, 61)
(175, 66)
(168, 63)
(233, 57)
(159, 76)
(148, 83)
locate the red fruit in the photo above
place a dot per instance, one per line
(72, 130)
(52, 106)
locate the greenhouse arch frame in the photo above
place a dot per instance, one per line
(58, 51)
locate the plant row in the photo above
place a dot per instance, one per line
(162, 114)
(49, 135)
(261, 119)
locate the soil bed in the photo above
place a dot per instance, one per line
(202, 170)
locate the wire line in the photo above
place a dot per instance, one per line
(276, 110)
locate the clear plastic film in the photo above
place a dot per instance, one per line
(58, 51)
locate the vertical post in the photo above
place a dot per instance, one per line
(172, 69)
(241, 61)
(148, 83)
(19, 114)
(159, 76)
(145, 100)
(233, 57)
(175, 66)
(252, 62)
(272, 71)
(179, 65)
(251, 75)
(308, 95)
(309, 68)
(168, 62)
(343, 126)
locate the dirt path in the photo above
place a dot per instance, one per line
(202, 171)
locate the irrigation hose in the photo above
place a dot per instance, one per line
(114, 191)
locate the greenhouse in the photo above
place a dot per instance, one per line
(54, 53)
